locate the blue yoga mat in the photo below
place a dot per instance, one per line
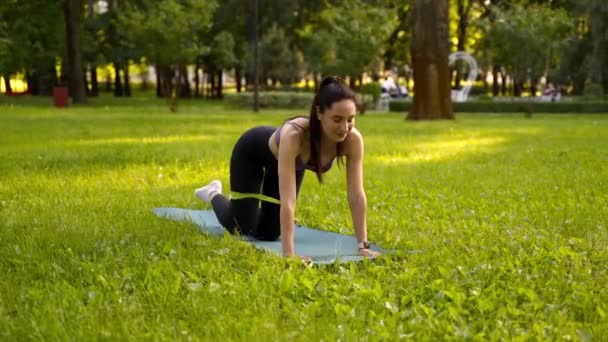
(321, 246)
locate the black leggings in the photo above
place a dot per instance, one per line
(253, 169)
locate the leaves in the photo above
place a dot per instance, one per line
(168, 31)
(542, 30)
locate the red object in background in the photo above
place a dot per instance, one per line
(60, 96)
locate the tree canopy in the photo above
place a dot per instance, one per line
(524, 40)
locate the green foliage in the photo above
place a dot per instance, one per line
(540, 29)
(598, 11)
(515, 107)
(31, 35)
(349, 38)
(272, 99)
(221, 53)
(500, 223)
(167, 31)
(373, 88)
(278, 60)
(593, 91)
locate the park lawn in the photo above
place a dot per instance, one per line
(500, 223)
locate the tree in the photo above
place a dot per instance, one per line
(169, 33)
(542, 30)
(398, 43)
(278, 60)
(465, 13)
(71, 12)
(430, 50)
(598, 10)
(34, 41)
(227, 39)
(348, 39)
(5, 44)
(220, 57)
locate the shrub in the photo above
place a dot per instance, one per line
(515, 107)
(593, 91)
(272, 99)
(374, 89)
(281, 99)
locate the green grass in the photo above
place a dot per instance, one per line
(501, 220)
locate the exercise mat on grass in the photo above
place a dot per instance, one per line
(322, 247)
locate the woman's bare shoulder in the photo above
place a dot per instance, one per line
(301, 121)
(353, 142)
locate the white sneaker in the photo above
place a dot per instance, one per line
(207, 192)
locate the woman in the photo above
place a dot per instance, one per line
(273, 160)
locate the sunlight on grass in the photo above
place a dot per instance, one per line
(143, 140)
(500, 224)
(440, 150)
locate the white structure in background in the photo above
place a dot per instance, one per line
(463, 94)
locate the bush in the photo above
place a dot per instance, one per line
(289, 99)
(478, 90)
(374, 89)
(593, 91)
(514, 107)
(272, 99)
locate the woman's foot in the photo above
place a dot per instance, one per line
(207, 192)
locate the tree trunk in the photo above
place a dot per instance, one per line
(184, 82)
(517, 87)
(430, 49)
(238, 75)
(211, 79)
(503, 84)
(197, 80)
(127, 78)
(170, 82)
(71, 11)
(108, 82)
(7, 84)
(33, 82)
(206, 83)
(220, 85)
(351, 82)
(118, 91)
(256, 59)
(91, 56)
(42, 82)
(495, 85)
(464, 8)
(484, 79)
(159, 81)
(94, 81)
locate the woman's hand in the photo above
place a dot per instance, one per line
(366, 252)
(305, 259)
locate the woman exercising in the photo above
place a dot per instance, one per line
(268, 164)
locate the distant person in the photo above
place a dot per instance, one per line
(268, 165)
(550, 93)
(393, 89)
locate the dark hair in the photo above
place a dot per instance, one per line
(332, 90)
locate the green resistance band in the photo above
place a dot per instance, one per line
(261, 197)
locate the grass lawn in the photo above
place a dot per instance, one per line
(502, 222)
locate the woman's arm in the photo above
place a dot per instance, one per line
(288, 152)
(356, 193)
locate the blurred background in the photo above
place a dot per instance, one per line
(550, 50)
